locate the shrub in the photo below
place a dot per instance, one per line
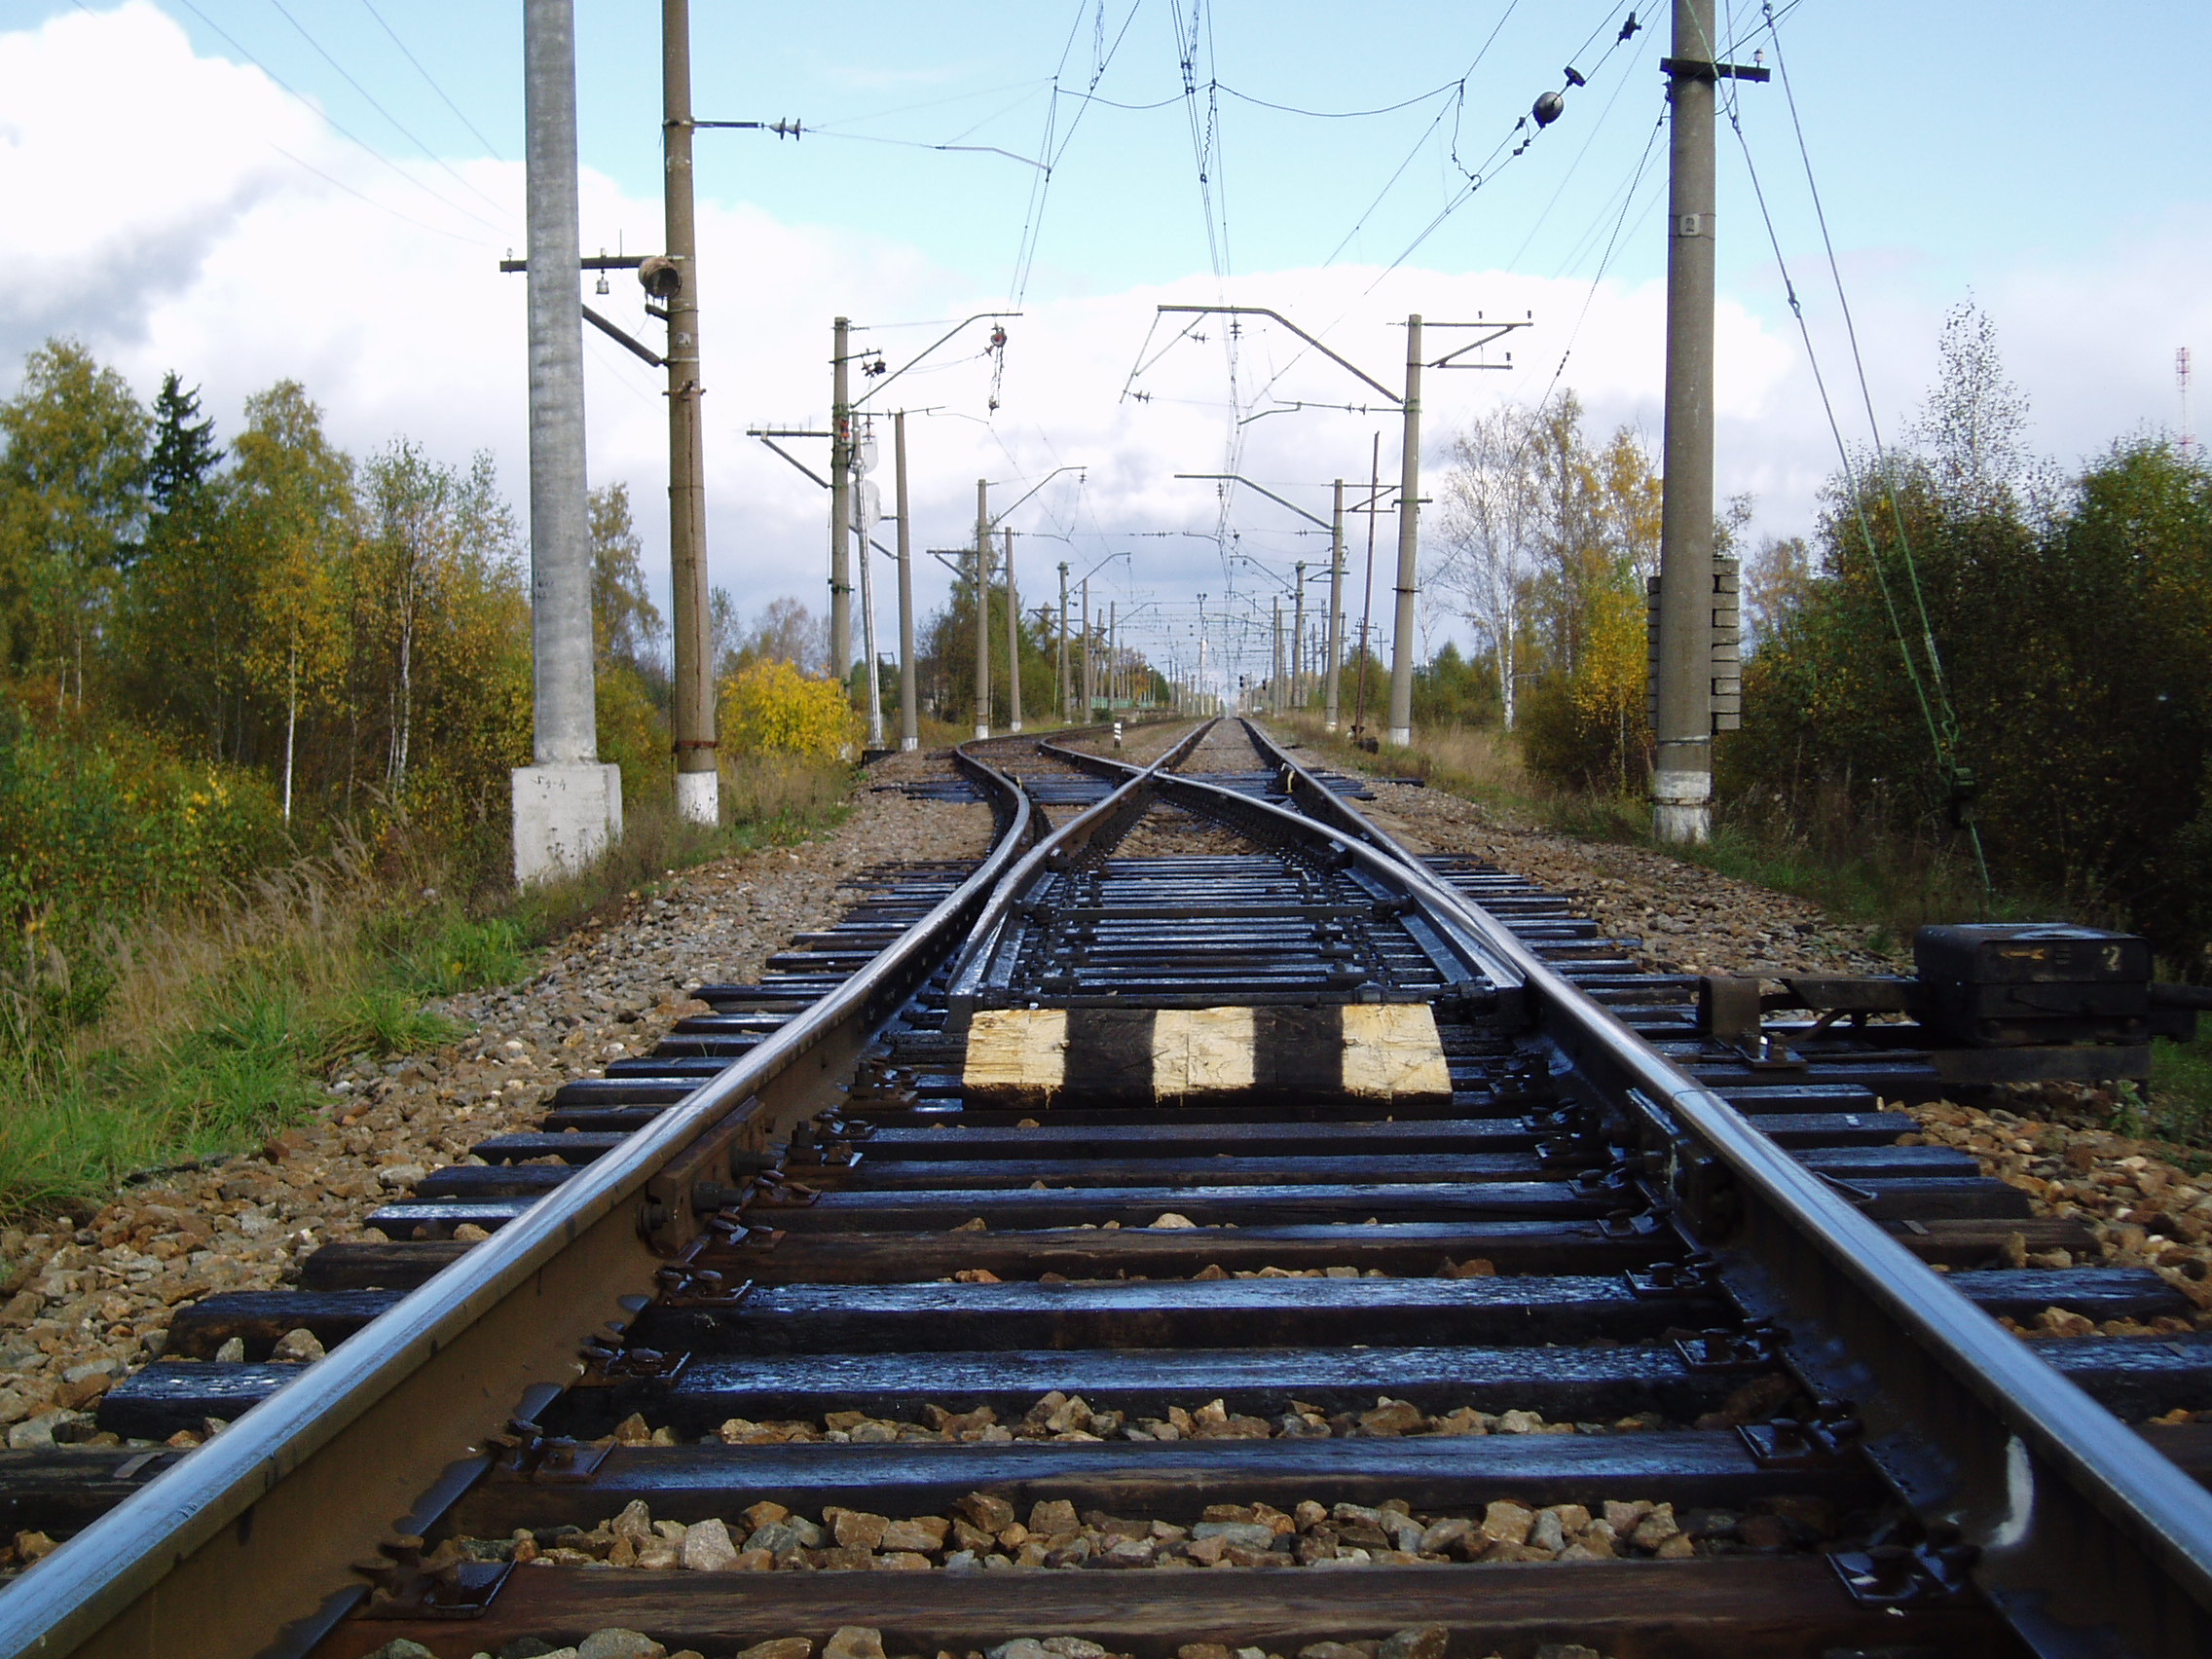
(99, 825)
(770, 708)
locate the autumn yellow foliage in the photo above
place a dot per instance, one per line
(770, 708)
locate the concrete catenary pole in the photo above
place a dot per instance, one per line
(1089, 654)
(1681, 774)
(1278, 692)
(1113, 650)
(1012, 641)
(1335, 606)
(1298, 642)
(1401, 730)
(909, 715)
(566, 805)
(982, 608)
(1066, 691)
(840, 504)
(699, 781)
(863, 523)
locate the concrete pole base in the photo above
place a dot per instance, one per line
(564, 817)
(983, 731)
(1681, 807)
(1402, 736)
(1016, 726)
(699, 798)
(908, 745)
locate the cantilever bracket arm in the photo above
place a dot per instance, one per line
(792, 459)
(923, 352)
(1497, 331)
(1344, 363)
(637, 348)
(1238, 478)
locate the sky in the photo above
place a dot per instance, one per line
(248, 189)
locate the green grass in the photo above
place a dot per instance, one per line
(2180, 1106)
(198, 1036)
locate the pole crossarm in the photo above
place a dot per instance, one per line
(923, 352)
(590, 262)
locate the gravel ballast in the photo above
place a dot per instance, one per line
(82, 1309)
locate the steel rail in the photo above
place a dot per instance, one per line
(1441, 906)
(2084, 1530)
(1117, 807)
(227, 1550)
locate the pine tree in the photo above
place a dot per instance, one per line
(185, 453)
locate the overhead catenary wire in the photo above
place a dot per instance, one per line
(1050, 153)
(1929, 691)
(398, 126)
(323, 116)
(491, 149)
(1613, 243)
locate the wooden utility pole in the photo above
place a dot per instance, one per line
(698, 782)
(1336, 606)
(909, 715)
(840, 502)
(1681, 774)
(1012, 641)
(982, 608)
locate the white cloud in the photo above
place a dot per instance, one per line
(172, 233)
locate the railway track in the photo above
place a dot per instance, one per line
(1199, 1225)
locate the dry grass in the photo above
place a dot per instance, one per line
(1481, 763)
(780, 789)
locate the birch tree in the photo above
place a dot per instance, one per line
(1492, 533)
